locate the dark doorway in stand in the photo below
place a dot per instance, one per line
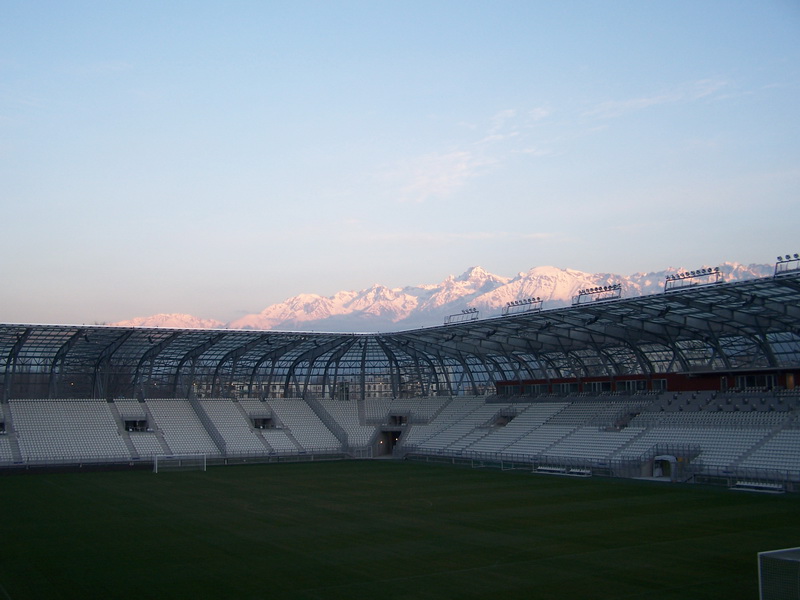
(386, 442)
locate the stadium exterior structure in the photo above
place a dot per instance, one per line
(720, 338)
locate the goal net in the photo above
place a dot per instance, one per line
(179, 462)
(779, 574)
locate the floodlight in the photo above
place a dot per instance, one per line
(796, 255)
(788, 257)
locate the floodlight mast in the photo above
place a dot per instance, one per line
(525, 305)
(790, 263)
(467, 314)
(597, 294)
(686, 279)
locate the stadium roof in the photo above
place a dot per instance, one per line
(721, 327)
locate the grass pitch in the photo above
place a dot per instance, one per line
(380, 529)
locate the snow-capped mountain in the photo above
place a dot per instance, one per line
(174, 320)
(380, 308)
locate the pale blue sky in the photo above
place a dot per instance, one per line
(213, 158)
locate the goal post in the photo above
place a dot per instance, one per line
(779, 574)
(179, 462)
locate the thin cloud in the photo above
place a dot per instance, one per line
(441, 175)
(539, 113)
(439, 237)
(686, 93)
(499, 120)
(437, 175)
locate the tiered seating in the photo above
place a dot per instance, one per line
(539, 440)
(593, 443)
(720, 446)
(453, 413)
(779, 453)
(763, 420)
(5, 445)
(276, 439)
(6, 455)
(744, 435)
(146, 444)
(67, 430)
(235, 429)
(421, 410)
(130, 409)
(303, 424)
(346, 415)
(376, 410)
(467, 430)
(279, 441)
(182, 429)
(531, 417)
(581, 412)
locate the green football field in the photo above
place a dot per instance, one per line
(380, 530)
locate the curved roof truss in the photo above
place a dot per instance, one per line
(735, 326)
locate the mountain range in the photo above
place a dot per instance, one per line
(380, 308)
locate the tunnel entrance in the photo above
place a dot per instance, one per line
(386, 441)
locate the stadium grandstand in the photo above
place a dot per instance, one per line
(698, 383)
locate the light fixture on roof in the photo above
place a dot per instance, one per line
(524, 305)
(466, 314)
(701, 276)
(787, 264)
(601, 292)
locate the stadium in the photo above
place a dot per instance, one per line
(608, 397)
